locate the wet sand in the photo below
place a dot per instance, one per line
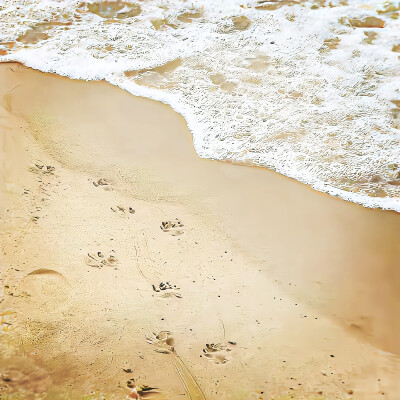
(298, 291)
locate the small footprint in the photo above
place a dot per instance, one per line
(172, 226)
(167, 290)
(98, 260)
(101, 182)
(37, 167)
(123, 210)
(163, 342)
(218, 352)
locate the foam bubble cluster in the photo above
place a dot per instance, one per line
(310, 89)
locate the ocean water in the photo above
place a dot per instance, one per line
(310, 89)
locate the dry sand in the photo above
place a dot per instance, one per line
(298, 291)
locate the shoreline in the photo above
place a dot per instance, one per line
(375, 202)
(330, 257)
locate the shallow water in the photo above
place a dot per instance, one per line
(302, 87)
(38, 32)
(113, 9)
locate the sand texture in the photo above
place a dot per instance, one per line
(131, 267)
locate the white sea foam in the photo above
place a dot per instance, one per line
(298, 87)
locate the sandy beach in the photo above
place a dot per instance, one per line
(132, 267)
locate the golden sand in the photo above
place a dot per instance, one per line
(131, 267)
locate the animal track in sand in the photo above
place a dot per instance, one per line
(167, 289)
(218, 353)
(172, 226)
(98, 260)
(164, 289)
(123, 210)
(164, 343)
(37, 167)
(103, 182)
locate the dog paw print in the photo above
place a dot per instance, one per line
(163, 342)
(104, 183)
(37, 167)
(121, 210)
(167, 289)
(218, 353)
(173, 227)
(99, 260)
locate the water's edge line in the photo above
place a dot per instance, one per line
(389, 204)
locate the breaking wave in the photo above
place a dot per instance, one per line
(310, 89)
